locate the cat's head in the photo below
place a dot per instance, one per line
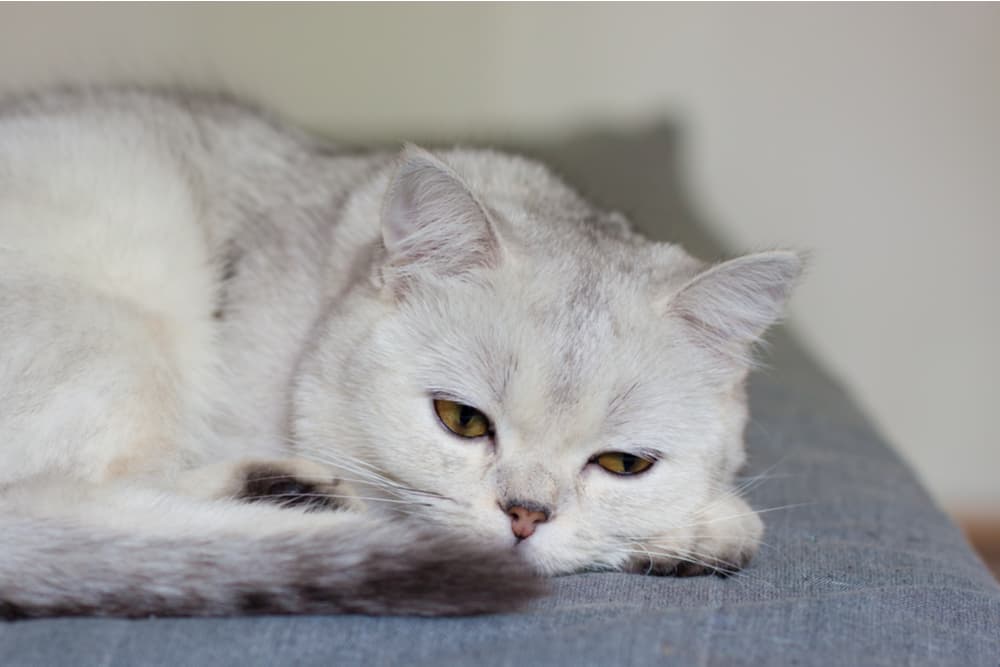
(523, 368)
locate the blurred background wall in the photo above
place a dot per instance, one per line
(869, 133)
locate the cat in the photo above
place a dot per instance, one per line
(247, 371)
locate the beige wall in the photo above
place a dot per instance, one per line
(869, 133)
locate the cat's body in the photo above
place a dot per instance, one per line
(193, 298)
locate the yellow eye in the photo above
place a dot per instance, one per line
(461, 419)
(621, 463)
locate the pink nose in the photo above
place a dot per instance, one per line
(523, 520)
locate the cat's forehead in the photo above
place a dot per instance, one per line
(552, 340)
(575, 327)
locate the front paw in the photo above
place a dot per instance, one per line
(295, 483)
(720, 539)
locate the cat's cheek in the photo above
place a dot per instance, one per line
(563, 547)
(489, 522)
(547, 560)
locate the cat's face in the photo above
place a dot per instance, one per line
(565, 392)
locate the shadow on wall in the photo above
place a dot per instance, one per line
(637, 172)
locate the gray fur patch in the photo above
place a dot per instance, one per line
(395, 569)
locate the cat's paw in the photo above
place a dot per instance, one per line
(285, 482)
(721, 539)
(727, 535)
(295, 483)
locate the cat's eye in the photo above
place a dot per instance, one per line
(462, 420)
(622, 463)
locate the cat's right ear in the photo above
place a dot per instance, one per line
(432, 224)
(728, 307)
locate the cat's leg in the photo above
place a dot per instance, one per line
(284, 482)
(92, 386)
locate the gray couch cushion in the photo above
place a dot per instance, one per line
(860, 567)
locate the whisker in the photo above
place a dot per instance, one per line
(742, 514)
(362, 469)
(328, 495)
(753, 482)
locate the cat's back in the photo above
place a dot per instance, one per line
(125, 190)
(116, 210)
(91, 192)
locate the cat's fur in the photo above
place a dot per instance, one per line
(195, 300)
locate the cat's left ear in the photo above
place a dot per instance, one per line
(432, 224)
(729, 306)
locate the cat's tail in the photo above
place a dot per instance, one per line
(52, 566)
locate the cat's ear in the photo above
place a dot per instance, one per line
(729, 306)
(432, 223)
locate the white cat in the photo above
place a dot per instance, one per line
(483, 377)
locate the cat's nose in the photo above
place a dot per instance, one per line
(524, 517)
